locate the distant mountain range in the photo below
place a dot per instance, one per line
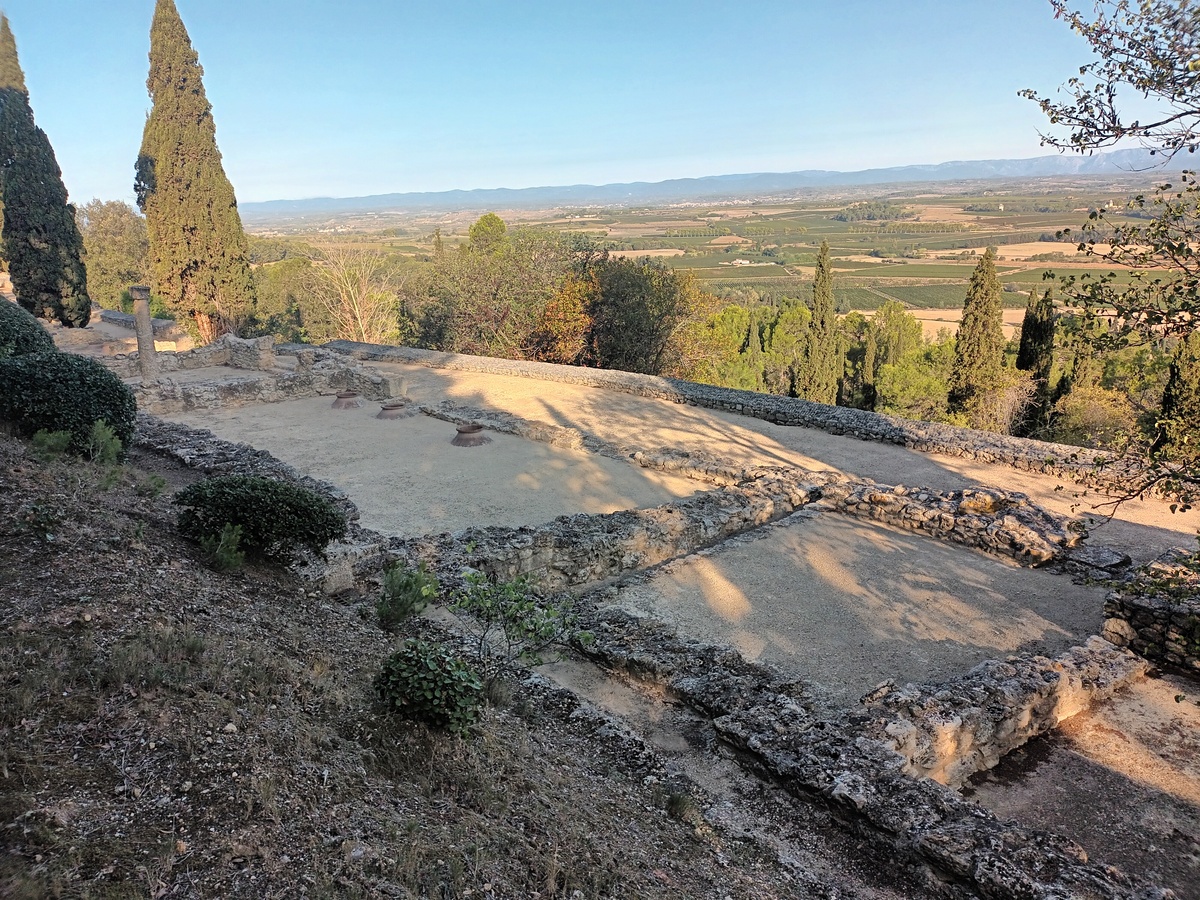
(709, 189)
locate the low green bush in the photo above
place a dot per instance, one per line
(276, 518)
(21, 332)
(224, 550)
(426, 682)
(405, 593)
(59, 392)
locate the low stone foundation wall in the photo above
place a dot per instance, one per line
(269, 378)
(162, 327)
(229, 350)
(788, 732)
(1074, 463)
(1001, 522)
(951, 730)
(1157, 613)
(1004, 523)
(579, 550)
(168, 395)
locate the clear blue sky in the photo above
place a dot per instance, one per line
(324, 98)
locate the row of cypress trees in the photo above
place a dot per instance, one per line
(199, 261)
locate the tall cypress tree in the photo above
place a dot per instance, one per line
(1179, 420)
(979, 344)
(198, 255)
(1036, 356)
(818, 376)
(42, 243)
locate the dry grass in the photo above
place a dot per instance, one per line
(168, 731)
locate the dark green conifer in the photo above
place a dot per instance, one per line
(1179, 421)
(817, 378)
(42, 244)
(979, 344)
(198, 254)
(1036, 356)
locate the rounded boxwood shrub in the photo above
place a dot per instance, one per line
(426, 682)
(21, 333)
(61, 392)
(276, 518)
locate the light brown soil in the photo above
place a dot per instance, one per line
(1144, 529)
(1122, 779)
(849, 604)
(934, 320)
(407, 478)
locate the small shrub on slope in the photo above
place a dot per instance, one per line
(276, 518)
(21, 333)
(426, 682)
(60, 392)
(405, 593)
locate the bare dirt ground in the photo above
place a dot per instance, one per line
(848, 604)
(934, 320)
(407, 478)
(1123, 779)
(1144, 529)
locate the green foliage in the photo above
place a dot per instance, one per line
(158, 308)
(49, 444)
(495, 303)
(115, 250)
(1036, 356)
(276, 518)
(60, 392)
(223, 550)
(425, 682)
(915, 386)
(42, 245)
(38, 520)
(405, 593)
(286, 305)
(1179, 420)
(488, 234)
(871, 210)
(153, 486)
(103, 445)
(21, 333)
(1147, 49)
(817, 378)
(979, 344)
(511, 624)
(1095, 417)
(198, 251)
(635, 312)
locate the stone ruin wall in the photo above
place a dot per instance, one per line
(859, 761)
(1156, 613)
(1166, 632)
(273, 374)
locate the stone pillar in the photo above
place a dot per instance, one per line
(144, 326)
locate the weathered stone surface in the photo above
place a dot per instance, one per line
(1156, 611)
(951, 730)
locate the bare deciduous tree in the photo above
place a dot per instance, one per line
(357, 288)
